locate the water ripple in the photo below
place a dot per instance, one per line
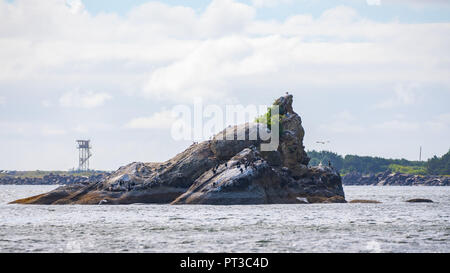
(393, 226)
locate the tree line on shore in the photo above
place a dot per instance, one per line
(368, 164)
(344, 164)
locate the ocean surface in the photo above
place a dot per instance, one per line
(393, 226)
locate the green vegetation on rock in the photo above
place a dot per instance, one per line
(417, 170)
(269, 119)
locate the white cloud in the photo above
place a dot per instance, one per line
(225, 17)
(373, 2)
(51, 131)
(384, 53)
(440, 123)
(46, 103)
(343, 122)
(269, 3)
(339, 15)
(159, 120)
(342, 127)
(417, 4)
(346, 123)
(86, 99)
(76, 6)
(203, 72)
(175, 53)
(406, 95)
(403, 95)
(35, 129)
(345, 115)
(81, 128)
(13, 128)
(223, 53)
(398, 125)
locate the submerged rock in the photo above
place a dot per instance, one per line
(359, 201)
(226, 170)
(419, 200)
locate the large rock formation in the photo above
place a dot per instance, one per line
(218, 171)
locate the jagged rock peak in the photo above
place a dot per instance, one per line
(285, 103)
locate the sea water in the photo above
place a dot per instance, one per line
(392, 226)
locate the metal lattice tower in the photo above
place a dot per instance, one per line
(84, 147)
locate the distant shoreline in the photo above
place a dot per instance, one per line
(50, 178)
(394, 179)
(351, 179)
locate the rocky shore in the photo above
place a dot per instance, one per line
(220, 171)
(52, 179)
(395, 179)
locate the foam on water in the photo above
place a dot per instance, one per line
(393, 226)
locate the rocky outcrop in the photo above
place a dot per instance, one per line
(395, 179)
(225, 170)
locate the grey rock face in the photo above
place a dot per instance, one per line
(249, 179)
(234, 139)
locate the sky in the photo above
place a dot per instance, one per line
(372, 77)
